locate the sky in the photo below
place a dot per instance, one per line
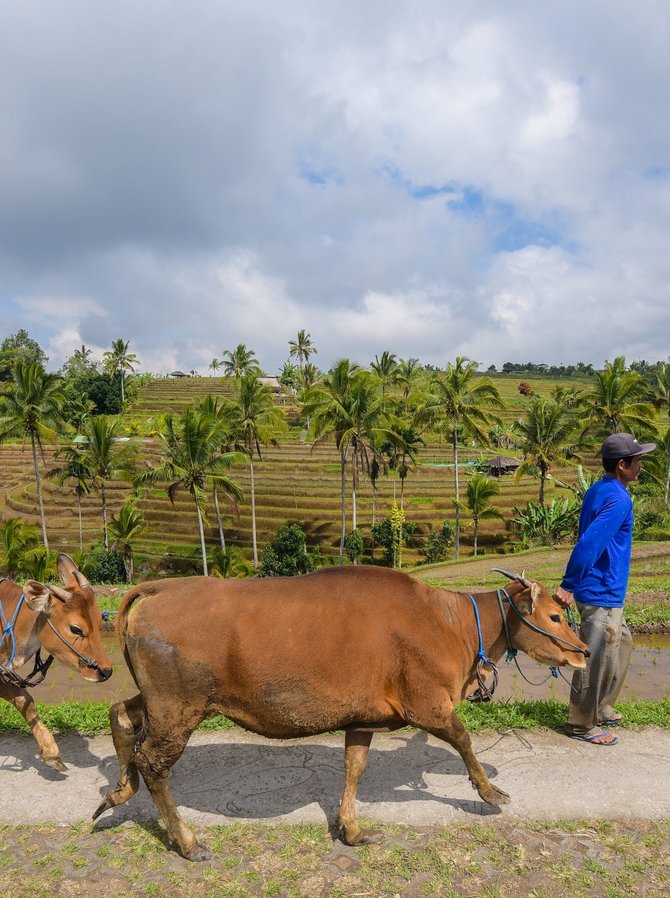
(428, 177)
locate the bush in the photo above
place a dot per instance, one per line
(438, 543)
(549, 524)
(287, 554)
(651, 516)
(382, 534)
(102, 566)
(353, 546)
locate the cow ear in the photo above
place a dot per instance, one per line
(528, 599)
(37, 596)
(67, 570)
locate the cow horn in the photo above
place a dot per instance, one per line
(62, 594)
(520, 577)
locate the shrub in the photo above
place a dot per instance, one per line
(651, 516)
(438, 543)
(287, 554)
(353, 546)
(383, 535)
(102, 566)
(549, 524)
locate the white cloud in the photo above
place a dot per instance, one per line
(433, 179)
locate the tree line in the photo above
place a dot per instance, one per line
(379, 418)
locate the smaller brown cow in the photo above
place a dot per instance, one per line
(65, 623)
(354, 649)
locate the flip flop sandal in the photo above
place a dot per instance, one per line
(592, 739)
(611, 722)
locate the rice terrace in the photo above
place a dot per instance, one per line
(447, 493)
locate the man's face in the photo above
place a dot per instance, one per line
(631, 471)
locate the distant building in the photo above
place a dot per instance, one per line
(178, 374)
(272, 382)
(501, 464)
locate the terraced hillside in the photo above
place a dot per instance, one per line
(294, 482)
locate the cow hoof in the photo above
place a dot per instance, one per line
(361, 837)
(56, 764)
(370, 837)
(197, 852)
(102, 807)
(494, 796)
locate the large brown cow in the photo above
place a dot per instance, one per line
(65, 623)
(358, 648)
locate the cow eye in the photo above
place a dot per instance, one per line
(556, 618)
(77, 631)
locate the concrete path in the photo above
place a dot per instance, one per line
(411, 779)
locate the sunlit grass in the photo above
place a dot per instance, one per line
(93, 717)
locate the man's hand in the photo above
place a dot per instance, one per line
(564, 598)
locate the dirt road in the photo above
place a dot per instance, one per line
(230, 776)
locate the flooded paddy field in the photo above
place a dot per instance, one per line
(648, 678)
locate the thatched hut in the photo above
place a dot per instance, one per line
(501, 464)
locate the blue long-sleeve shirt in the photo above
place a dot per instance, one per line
(598, 568)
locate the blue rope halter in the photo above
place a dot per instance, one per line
(482, 659)
(8, 628)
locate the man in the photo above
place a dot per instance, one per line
(597, 578)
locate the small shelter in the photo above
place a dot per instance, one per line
(272, 382)
(501, 464)
(177, 374)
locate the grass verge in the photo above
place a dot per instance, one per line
(497, 859)
(90, 718)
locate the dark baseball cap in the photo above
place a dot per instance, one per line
(623, 445)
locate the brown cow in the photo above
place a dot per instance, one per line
(63, 622)
(358, 648)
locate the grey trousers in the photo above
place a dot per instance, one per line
(595, 690)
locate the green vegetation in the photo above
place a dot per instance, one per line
(329, 452)
(93, 717)
(492, 859)
(286, 555)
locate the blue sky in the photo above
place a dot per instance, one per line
(434, 179)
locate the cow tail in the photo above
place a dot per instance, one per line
(122, 626)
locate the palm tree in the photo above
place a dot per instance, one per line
(310, 375)
(257, 421)
(403, 455)
(119, 361)
(230, 562)
(618, 401)
(124, 530)
(661, 388)
(462, 404)
(222, 411)
(191, 460)
(406, 373)
(16, 538)
(384, 367)
(347, 406)
(478, 494)
(39, 564)
(547, 435)
(215, 364)
(657, 468)
(103, 459)
(290, 376)
(81, 356)
(31, 407)
(78, 471)
(302, 348)
(240, 361)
